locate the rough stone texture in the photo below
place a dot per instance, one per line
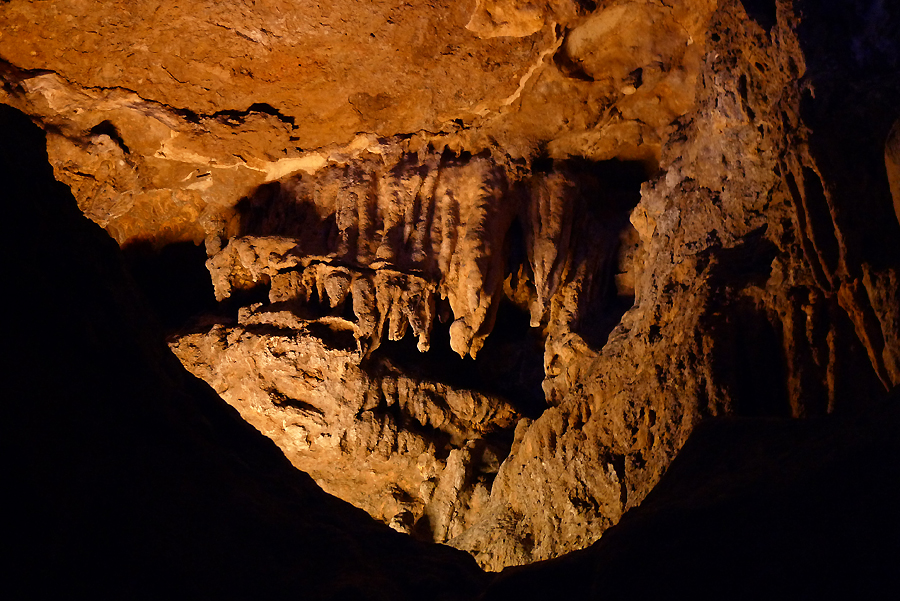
(375, 437)
(333, 68)
(128, 477)
(723, 524)
(471, 181)
(382, 251)
(168, 133)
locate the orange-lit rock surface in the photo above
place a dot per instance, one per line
(481, 267)
(143, 482)
(218, 98)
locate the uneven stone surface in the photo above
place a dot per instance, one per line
(385, 66)
(384, 252)
(386, 442)
(482, 267)
(129, 477)
(170, 132)
(720, 523)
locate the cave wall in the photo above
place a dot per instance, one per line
(128, 477)
(637, 216)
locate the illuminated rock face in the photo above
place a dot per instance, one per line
(144, 480)
(399, 242)
(484, 266)
(356, 257)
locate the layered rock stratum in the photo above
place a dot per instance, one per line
(480, 268)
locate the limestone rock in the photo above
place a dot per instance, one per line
(131, 475)
(220, 102)
(484, 266)
(717, 508)
(368, 434)
(221, 57)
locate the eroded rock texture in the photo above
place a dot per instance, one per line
(129, 477)
(482, 267)
(720, 523)
(359, 256)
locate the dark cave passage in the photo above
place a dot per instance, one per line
(510, 364)
(608, 193)
(759, 371)
(174, 279)
(730, 436)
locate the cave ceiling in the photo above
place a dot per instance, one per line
(481, 267)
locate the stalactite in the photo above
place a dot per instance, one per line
(405, 235)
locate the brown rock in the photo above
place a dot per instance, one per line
(484, 266)
(130, 475)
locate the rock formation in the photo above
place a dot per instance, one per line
(723, 524)
(129, 477)
(481, 268)
(352, 257)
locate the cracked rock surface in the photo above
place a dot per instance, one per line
(482, 267)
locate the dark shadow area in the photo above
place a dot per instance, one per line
(750, 509)
(747, 263)
(749, 355)
(268, 109)
(763, 12)
(587, 6)
(274, 211)
(607, 193)
(599, 324)
(510, 364)
(107, 128)
(569, 67)
(855, 381)
(127, 477)
(173, 279)
(852, 49)
(820, 220)
(817, 266)
(337, 339)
